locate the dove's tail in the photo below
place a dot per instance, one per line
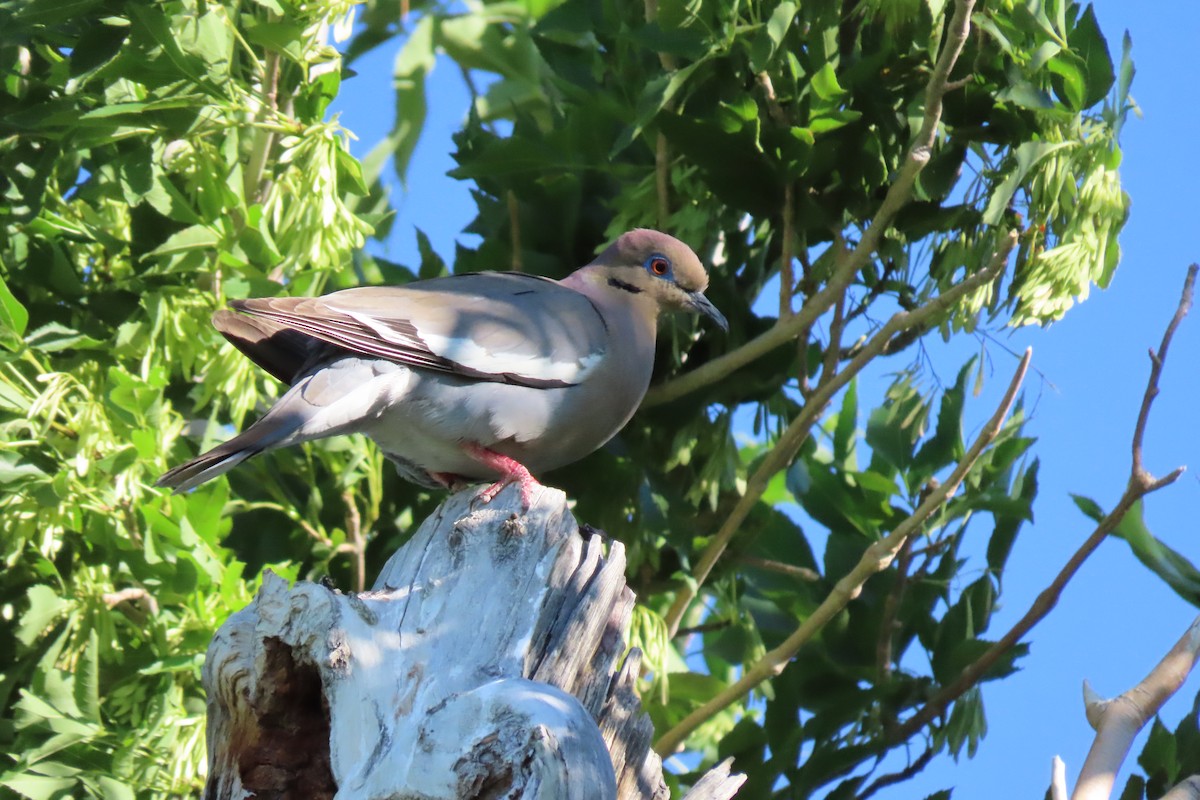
(268, 432)
(330, 399)
(281, 425)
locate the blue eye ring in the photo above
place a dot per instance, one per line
(658, 265)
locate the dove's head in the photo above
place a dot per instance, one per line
(658, 266)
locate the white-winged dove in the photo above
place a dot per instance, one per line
(486, 376)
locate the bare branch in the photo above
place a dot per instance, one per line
(133, 595)
(793, 437)
(1140, 484)
(875, 559)
(898, 195)
(1124, 716)
(834, 351)
(787, 279)
(662, 183)
(892, 778)
(358, 543)
(1188, 789)
(891, 607)
(1058, 779)
(792, 571)
(662, 152)
(774, 109)
(514, 222)
(1156, 366)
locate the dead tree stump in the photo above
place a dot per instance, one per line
(481, 665)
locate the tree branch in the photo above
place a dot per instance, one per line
(793, 437)
(358, 543)
(1187, 789)
(791, 570)
(1058, 779)
(875, 559)
(891, 607)
(1120, 719)
(898, 195)
(514, 224)
(1140, 484)
(892, 778)
(787, 279)
(1156, 366)
(662, 151)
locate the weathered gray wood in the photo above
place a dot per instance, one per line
(480, 665)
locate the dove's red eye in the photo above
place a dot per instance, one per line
(659, 265)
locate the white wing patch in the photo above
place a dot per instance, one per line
(472, 356)
(530, 365)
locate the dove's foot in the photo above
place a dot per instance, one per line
(511, 471)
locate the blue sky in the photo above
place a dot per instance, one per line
(1116, 620)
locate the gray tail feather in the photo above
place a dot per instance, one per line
(269, 431)
(205, 467)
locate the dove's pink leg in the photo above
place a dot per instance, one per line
(511, 471)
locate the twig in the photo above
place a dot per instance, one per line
(132, 595)
(791, 570)
(357, 542)
(706, 627)
(1156, 366)
(514, 222)
(898, 195)
(1121, 718)
(1140, 484)
(774, 109)
(287, 510)
(662, 183)
(891, 607)
(787, 279)
(254, 189)
(892, 778)
(793, 437)
(875, 559)
(833, 352)
(662, 151)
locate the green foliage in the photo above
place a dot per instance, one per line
(164, 158)
(150, 178)
(1168, 758)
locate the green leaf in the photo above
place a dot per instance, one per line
(945, 447)
(1173, 567)
(1160, 756)
(847, 424)
(894, 428)
(413, 63)
(13, 316)
(1007, 525)
(654, 98)
(1070, 82)
(832, 120)
(1026, 157)
(1089, 507)
(53, 337)
(37, 787)
(45, 606)
(432, 265)
(1089, 44)
(768, 41)
(87, 683)
(193, 237)
(825, 83)
(112, 789)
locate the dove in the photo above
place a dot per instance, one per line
(482, 377)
